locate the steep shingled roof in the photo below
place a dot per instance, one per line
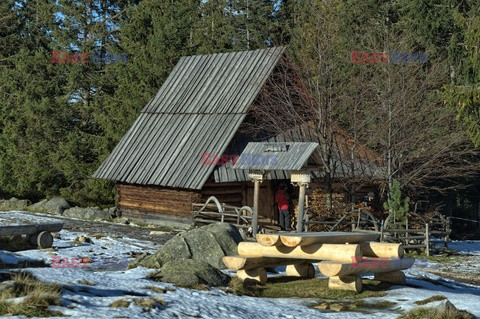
(197, 110)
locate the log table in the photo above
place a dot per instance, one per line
(341, 256)
(36, 229)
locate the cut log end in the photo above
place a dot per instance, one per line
(351, 282)
(42, 240)
(256, 275)
(302, 270)
(268, 239)
(291, 241)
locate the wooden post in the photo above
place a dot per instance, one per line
(307, 218)
(447, 229)
(381, 232)
(255, 206)
(427, 239)
(301, 203)
(406, 228)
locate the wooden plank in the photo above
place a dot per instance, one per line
(305, 239)
(366, 265)
(10, 230)
(333, 252)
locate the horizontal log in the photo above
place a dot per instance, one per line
(364, 266)
(269, 239)
(393, 277)
(333, 252)
(302, 270)
(382, 250)
(256, 275)
(346, 283)
(243, 262)
(305, 239)
(10, 230)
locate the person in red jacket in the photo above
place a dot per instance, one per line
(282, 201)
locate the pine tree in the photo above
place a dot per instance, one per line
(397, 206)
(33, 120)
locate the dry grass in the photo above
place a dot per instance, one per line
(431, 313)
(354, 305)
(150, 303)
(160, 290)
(430, 299)
(120, 303)
(86, 282)
(290, 287)
(38, 296)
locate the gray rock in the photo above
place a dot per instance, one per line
(57, 205)
(14, 203)
(227, 236)
(175, 248)
(208, 244)
(191, 273)
(38, 207)
(204, 246)
(87, 213)
(445, 305)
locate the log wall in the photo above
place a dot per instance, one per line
(151, 199)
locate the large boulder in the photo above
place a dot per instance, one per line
(208, 244)
(87, 213)
(14, 204)
(190, 273)
(55, 205)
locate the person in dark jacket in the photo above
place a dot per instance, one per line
(282, 201)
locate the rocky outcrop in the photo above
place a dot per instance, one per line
(14, 204)
(207, 244)
(88, 213)
(55, 205)
(190, 273)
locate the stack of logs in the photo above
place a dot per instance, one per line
(319, 211)
(342, 263)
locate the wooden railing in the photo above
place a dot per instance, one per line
(213, 211)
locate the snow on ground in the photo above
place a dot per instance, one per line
(81, 300)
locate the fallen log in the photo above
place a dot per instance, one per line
(364, 266)
(10, 230)
(382, 250)
(305, 239)
(342, 253)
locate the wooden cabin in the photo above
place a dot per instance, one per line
(160, 165)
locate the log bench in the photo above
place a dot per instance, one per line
(37, 230)
(342, 257)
